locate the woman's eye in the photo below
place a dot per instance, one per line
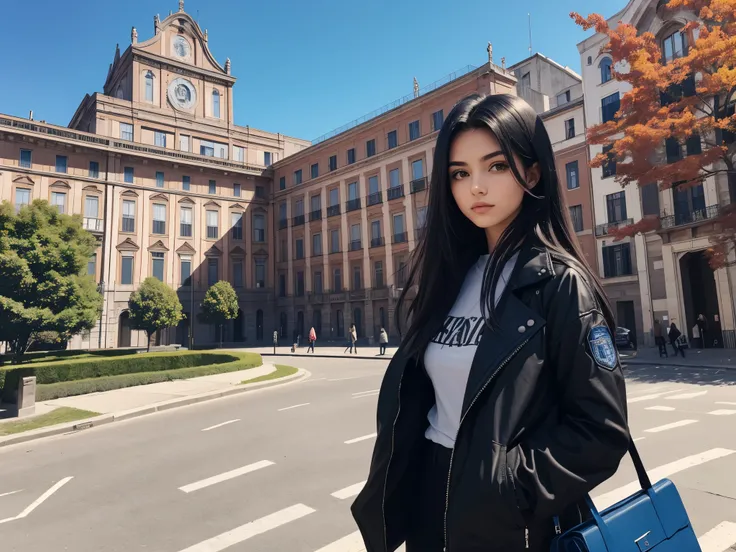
(458, 174)
(499, 167)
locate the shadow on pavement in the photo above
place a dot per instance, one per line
(677, 374)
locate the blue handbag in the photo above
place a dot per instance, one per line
(652, 519)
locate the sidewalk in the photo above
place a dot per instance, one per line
(327, 351)
(694, 358)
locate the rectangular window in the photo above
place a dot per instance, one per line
(299, 284)
(317, 282)
(378, 274)
(399, 225)
(438, 117)
(282, 213)
(213, 271)
(282, 183)
(236, 190)
(267, 158)
(282, 285)
(337, 280)
(238, 154)
(421, 217)
(185, 267)
(212, 187)
(260, 191)
(221, 150)
(238, 273)
(185, 224)
(393, 178)
(159, 218)
(206, 148)
(376, 230)
(159, 139)
(297, 177)
(184, 143)
(413, 130)
(334, 197)
(333, 162)
(576, 215)
(334, 241)
(94, 169)
(617, 260)
(316, 202)
(128, 175)
(126, 132)
(314, 170)
(58, 200)
(357, 280)
(215, 104)
(157, 265)
(609, 106)
(563, 98)
(573, 182)
(149, 87)
(91, 206)
(351, 156)
(22, 197)
(92, 265)
(609, 167)
(675, 46)
(650, 199)
(417, 169)
(352, 191)
(213, 225)
(283, 251)
(316, 244)
(569, 129)
(126, 270)
(128, 216)
(259, 228)
(693, 145)
(299, 208)
(61, 164)
(299, 248)
(236, 220)
(159, 179)
(373, 185)
(616, 207)
(393, 139)
(186, 183)
(25, 158)
(370, 148)
(260, 273)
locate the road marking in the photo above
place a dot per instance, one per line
(350, 491)
(673, 425)
(10, 493)
(686, 395)
(222, 424)
(40, 500)
(722, 412)
(607, 499)
(639, 439)
(653, 389)
(647, 397)
(366, 395)
(353, 377)
(719, 539)
(225, 476)
(251, 529)
(359, 439)
(660, 408)
(728, 403)
(292, 407)
(352, 543)
(366, 392)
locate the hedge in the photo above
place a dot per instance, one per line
(50, 356)
(230, 362)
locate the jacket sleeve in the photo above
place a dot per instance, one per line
(566, 458)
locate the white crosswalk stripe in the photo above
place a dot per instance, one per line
(683, 396)
(722, 412)
(673, 425)
(719, 539)
(349, 492)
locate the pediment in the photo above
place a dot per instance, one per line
(213, 251)
(237, 251)
(159, 197)
(158, 246)
(186, 200)
(260, 253)
(92, 189)
(212, 204)
(23, 180)
(237, 206)
(127, 245)
(129, 193)
(185, 249)
(60, 184)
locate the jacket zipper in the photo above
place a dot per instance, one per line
(452, 455)
(388, 466)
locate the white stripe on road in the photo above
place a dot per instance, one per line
(354, 377)
(647, 397)
(292, 407)
(10, 493)
(686, 395)
(728, 403)
(220, 425)
(639, 439)
(352, 543)
(673, 425)
(251, 529)
(366, 395)
(359, 439)
(225, 476)
(605, 500)
(366, 392)
(350, 491)
(660, 408)
(40, 500)
(722, 412)
(719, 539)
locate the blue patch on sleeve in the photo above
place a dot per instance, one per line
(602, 347)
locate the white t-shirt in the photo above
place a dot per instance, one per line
(450, 353)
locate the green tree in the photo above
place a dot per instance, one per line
(43, 284)
(220, 305)
(154, 306)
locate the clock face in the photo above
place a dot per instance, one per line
(182, 94)
(181, 47)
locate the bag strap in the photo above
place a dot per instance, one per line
(641, 471)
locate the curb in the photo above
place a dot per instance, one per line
(317, 355)
(678, 364)
(75, 427)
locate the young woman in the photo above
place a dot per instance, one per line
(383, 341)
(505, 403)
(312, 339)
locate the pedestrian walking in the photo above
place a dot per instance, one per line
(505, 404)
(383, 341)
(312, 339)
(353, 337)
(674, 336)
(659, 339)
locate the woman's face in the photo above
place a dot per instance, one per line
(483, 185)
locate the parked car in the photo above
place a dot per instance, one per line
(625, 338)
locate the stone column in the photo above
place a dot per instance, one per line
(408, 208)
(344, 236)
(387, 231)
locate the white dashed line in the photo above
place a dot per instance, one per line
(10, 493)
(220, 425)
(660, 408)
(673, 425)
(293, 407)
(40, 500)
(683, 396)
(722, 412)
(359, 439)
(225, 476)
(349, 492)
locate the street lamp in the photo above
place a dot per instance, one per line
(101, 290)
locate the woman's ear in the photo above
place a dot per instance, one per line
(533, 174)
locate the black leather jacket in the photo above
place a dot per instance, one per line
(543, 422)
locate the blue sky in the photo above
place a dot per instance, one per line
(304, 67)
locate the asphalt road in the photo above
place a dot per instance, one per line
(275, 470)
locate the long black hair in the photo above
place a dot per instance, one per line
(450, 243)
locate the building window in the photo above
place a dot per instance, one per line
(282, 285)
(693, 145)
(58, 200)
(267, 158)
(617, 260)
(573, 176)
(616, 207)
(236, 190)
(159, 139)
(606, 65)
(237, 225)
(260, 273)
(675, 46)
(352, 191)
(393, 139)
(159, 218)
(421, 217)
(128, 175)
(282, 183)
(378, 274)
(297, 177)
(185, 267)
(299, 284)
(157, 265)
(333, 162)
(355, 236)
(337, 280)
(159, 179)
(22, 197)
(413, 130)
(316, 203)
(563, 98)
(126, 132)
(215, 104)
(260, 192)
(576, 215)
(590, 60)
(609, 167)
(149, 86)
(417, 169)
(126, 270)
(207, 148)
(650, 199)
(92, 265)
(569, 129)
(185, 224)
(91, 207)
(314, 170)
(317, 282)
(259, 228)
(299, 247)
(334, 197)
(393, 178)
(283, 250)
(399, 229)
(238, 273)
(351, 156)
(438, 117)
(239, 153)
(609, 107)
(334, 241)
(128, 216)
(184, 142)
(212, 224)
(186, 183)
(370, 148)
(212, 187)
(357, 280)
(213, 271)
(376, 232)
(94, 169)
(61, 164)
(25, 158)
(316, 244)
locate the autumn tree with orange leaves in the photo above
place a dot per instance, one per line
(677, 125)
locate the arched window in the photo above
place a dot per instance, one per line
(216, 104)
(149, 86)
(590, 60)
(605, 65)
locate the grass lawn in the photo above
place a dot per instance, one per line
(58, 416)
(280, 372)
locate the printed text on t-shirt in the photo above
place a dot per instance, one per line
(460, 331)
